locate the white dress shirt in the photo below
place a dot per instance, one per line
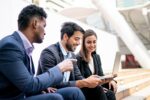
(66, 56)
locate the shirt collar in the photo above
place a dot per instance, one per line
(26, 43)
(64, 52)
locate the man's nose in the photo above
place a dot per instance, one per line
(78, 42)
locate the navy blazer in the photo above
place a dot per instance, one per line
(50, 57)
(16, 80)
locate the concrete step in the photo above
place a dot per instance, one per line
(132, 87)
(130, 78)
(133, 71)
(143, 94)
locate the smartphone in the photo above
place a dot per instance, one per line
(107, 77)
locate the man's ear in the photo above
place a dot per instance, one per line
(65, 36)
(34, 23)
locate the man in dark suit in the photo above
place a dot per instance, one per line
(71, 35)
(16, 67)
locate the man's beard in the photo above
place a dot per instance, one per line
(69, 47)
(38, 39)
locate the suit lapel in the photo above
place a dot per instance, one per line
(60, 52)
(33, 70)
(27, 59)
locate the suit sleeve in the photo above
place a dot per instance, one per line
(13, 68)
(47, 60)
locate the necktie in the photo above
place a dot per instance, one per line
(66, 74)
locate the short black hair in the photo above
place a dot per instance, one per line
(29, 12)
(69, 28)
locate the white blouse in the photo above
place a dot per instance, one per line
(91, 65)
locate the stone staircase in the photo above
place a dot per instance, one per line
(133, 84)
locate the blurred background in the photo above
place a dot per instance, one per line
(121, 25)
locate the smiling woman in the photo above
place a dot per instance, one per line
(89, 64)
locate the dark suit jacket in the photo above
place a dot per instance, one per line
(50, 57)
(16, 80)
(84, 67)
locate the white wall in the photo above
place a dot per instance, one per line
(9, 10)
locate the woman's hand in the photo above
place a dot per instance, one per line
(113, 86)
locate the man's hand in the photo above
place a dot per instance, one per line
(90, 82)
(67, 65)
(49, 90)
(93, 81)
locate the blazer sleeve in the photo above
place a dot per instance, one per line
(47, 60)
(13, 68)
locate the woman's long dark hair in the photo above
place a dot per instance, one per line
(83, 51)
